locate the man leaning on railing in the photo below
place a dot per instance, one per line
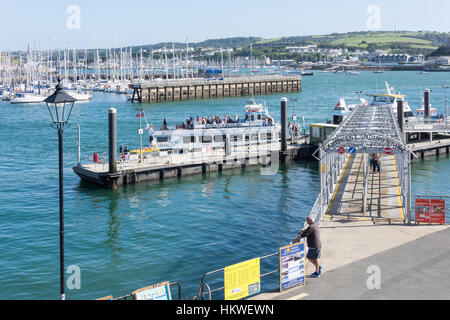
(312, 235)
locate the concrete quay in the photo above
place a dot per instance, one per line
(413, 263)
(192, 89)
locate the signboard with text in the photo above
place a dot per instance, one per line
(242, 279)
(159, 291)
(430, 211)
(292, 266)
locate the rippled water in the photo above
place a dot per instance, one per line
(173, 230)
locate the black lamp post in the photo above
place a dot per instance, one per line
(60, 106)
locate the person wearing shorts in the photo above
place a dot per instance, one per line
(312, 235)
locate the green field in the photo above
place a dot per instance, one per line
(384, 39)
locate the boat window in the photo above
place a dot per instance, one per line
(219, 139)
(236, 138)
(259, 117)
(190, 139)
(206, 139)
(255, 137)
(247, 137)
(263, 136)
(163, 139)
(269, 136)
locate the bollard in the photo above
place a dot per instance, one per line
(112, 140)
(284, 147)
(426, 102)
(400, 113)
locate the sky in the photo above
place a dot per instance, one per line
(104, 24)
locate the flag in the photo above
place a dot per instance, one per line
(140, 115)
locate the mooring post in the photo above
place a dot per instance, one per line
(400, 114)
(426, 103)
(112, 140)
(79, 144)
(284, 125)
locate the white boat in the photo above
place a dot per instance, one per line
(80, 96)
(352, 72)
(390, 98)
(213, 134)
(343, 109)
(20, 98)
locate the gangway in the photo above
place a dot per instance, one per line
(348, 188)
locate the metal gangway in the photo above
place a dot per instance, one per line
(348, 188)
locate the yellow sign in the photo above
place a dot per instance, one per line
(242, 279)
(324, 167)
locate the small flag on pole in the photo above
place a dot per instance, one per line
(140, 115)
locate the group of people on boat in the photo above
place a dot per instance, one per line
(190, 122)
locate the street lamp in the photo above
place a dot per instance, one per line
(60, 106)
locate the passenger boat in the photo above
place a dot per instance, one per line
(342, 109)
(390, 98)
(205, 135)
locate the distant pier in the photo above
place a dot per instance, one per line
(193, 89)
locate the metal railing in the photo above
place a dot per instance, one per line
(201, 291)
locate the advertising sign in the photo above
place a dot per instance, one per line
(160, 291)
(242, 279)
(292, 266)
(430, 211)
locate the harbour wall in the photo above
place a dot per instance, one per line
(193, 89)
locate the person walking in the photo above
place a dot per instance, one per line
(377, 163)
(312, 235)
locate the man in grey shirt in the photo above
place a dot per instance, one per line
(312, 235)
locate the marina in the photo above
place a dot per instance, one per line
(149, 212)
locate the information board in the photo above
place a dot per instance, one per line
(160, 291)
(430, 211)
(437, 211)
(242, 279)
(292, 266)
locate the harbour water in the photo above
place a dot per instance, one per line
(172, 230)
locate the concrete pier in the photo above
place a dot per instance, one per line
(192, 89)
(412, 260)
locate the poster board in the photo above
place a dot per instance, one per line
(292, 266)
(160, 291)
(437, 211)
(430, 211)
(242, 280)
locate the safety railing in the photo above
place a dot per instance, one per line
(209, 292)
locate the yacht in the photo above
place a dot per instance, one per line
(26, 97)
(79, 95)
(210, 134)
